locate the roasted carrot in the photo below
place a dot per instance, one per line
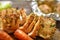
(4, 36)
(21, 35)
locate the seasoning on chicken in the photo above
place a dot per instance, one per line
(31, 26)
(13, 20)
(28, 22)
(34, 31)
(45, 8)
(48, 28)
(23, 16)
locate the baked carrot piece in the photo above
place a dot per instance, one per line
(21, 35)
(5, 36)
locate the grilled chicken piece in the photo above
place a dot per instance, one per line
(39, 26)
(28, 22)
(48, 28)
(34, 31)
(12, 19)
(31, 26)
(45, 8)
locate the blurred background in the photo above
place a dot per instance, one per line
(20, 4)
